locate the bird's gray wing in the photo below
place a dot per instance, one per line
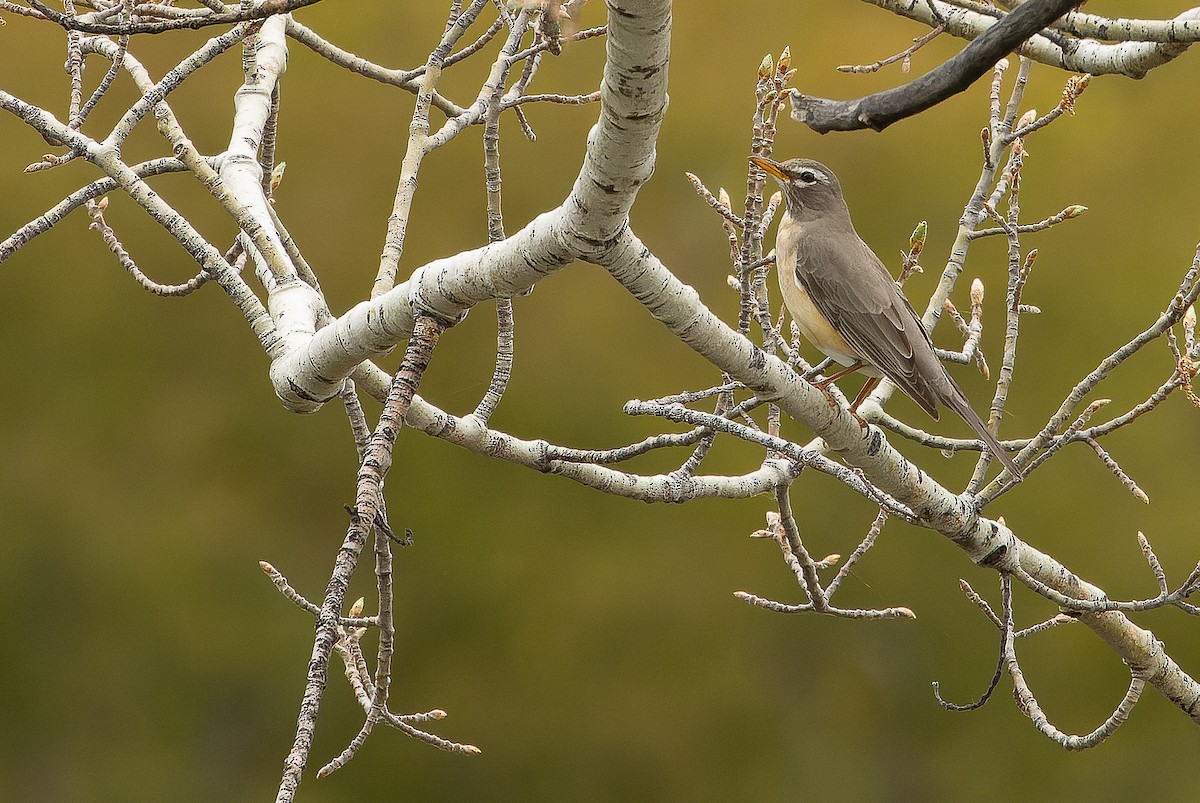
(855, 292)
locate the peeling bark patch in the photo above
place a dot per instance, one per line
(651, 116)
(604, 245)
(994, 557)
(302, 393)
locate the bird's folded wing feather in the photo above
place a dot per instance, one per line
(855, 292)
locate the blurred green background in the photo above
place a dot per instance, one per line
(590, 645)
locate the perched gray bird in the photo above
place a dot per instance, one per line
(848, 305)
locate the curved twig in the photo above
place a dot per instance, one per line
(881, 109)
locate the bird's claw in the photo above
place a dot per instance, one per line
(829, 397)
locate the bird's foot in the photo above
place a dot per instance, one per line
(829, 397)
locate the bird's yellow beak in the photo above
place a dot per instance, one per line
(769, 167)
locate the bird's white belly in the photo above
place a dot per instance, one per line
(813, 325)
(815, 328)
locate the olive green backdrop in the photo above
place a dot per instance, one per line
(591, 646)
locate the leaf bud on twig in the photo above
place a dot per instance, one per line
(1071, 92)
(785, 60)
(1029, 260)
(277, 175)
(766, 67)
(916, 242)
(976, 293)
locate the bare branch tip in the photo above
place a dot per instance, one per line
(977, 292)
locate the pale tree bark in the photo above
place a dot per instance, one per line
(317, 357)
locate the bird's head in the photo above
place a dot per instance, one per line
(810, 189)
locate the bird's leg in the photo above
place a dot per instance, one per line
(829, 380)
(871, 384)
(823, 384)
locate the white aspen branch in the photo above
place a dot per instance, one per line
(211, 260)
(1131, 58)
(420, 144)
(620, 158)
(234, 178)
(55, 214)
(987, 542)
(201, 18)
(314, 356)
(405, 79)
(592, 225)
(1120, 29)
(244, 192)
(1184, 28)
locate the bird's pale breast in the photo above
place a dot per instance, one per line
(813, 325)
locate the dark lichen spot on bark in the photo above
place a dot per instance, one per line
(606, 244)
(654, 115)
(994, 557)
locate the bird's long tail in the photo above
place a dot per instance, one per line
(958, 403)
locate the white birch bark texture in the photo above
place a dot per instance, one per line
(592, 225)
(313, 353)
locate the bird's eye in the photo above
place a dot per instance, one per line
(808, 177)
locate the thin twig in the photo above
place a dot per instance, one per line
(372, 472)
(904, 55)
